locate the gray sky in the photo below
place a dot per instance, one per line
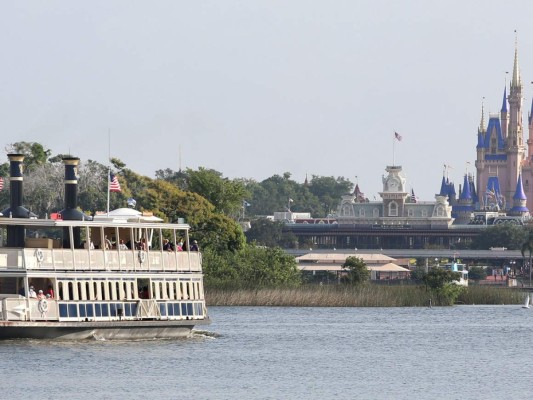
(257, 88)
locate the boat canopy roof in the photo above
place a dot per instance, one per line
(126, 214)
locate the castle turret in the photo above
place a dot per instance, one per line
(519, 200)
(463, 209)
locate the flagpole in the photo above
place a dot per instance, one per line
(109, 167)
(393, 144)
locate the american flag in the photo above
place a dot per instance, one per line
(398, 136)
(413, 197)
(114, 186)
(1, 183)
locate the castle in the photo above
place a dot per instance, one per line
(504, 178)
(504, 165)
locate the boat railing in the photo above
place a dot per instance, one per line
(19, 308)
(100, 260)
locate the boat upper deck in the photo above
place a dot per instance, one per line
(59, 245)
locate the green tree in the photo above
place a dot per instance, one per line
(329, 191)
(252, 267)
(34, 153)
(440, 283)
(437, 278)
(418, 274)
(265, 232)
(509, 236)
(225, 194)
(477, 273)
(358, 273)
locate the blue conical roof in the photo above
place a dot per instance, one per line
(519, 192)
(466, 194)
(504, 103)
(443, 190)
(480, 136)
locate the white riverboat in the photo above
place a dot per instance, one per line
(110, 277)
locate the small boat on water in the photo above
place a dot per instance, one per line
(117, 275)
(526, 302)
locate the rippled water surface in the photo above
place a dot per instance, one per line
(464, 352)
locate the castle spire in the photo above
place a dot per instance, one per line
(482, 123)
(504, 102)
(516, 80)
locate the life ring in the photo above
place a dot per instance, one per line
(142, 256)
(43, 306)
(39, 255)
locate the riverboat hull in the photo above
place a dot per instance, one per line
(115, 330)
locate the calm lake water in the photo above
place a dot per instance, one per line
(462, 352)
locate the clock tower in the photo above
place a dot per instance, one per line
(394, 192)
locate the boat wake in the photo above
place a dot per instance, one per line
(206, 334)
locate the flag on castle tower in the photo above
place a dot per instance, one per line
(397, 136)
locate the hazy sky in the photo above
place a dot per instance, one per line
(257, 88)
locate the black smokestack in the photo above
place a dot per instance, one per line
(71, 211)
(15, 234)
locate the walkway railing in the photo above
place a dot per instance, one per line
(100, 260)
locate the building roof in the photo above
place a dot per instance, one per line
(390, 267)
(332, 258)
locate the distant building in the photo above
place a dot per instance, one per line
(381, 267)
(504, 195)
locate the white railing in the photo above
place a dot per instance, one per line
(100, 260)
(24, 309)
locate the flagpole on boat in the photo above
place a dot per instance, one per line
(108, 168)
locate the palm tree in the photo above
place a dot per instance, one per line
(527, 246)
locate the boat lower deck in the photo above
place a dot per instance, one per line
(114, 330)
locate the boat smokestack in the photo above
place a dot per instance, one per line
(15, 234)
(71, 211)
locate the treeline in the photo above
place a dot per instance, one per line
(214, 207)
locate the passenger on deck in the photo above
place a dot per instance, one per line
(143, 244)
(167, 246)
(179, 247)
(108, 244)
(194, 246)
(31, 293)
(122, 245)
(50, 292)
(40, 295)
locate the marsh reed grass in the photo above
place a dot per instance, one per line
(347, 296)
